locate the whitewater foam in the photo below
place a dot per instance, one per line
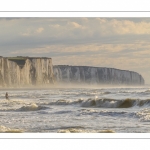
(74, 130)
(32, 107)
(4, 129)
(144, 115)
(66, 102)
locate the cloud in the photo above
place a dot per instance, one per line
(39, 30)
(74, 25)
(26, 33)
(121, 27)
(72, 30)
(97, 28)
(32, 32)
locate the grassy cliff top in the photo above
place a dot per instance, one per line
(24, 58)
(20, 60)
(17, 58)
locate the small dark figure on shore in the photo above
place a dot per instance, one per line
(6, 95)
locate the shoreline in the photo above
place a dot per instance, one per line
(65, 86)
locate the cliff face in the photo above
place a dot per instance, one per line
(96, 75)
(27, 71)
(38, 71)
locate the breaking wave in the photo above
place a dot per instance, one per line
(147, 91)
(32, 107)
(66, 102)
(106, 103)
(112, 103)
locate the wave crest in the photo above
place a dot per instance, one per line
(32, 107)
(105, 103)
(112, 103)
(66, 102)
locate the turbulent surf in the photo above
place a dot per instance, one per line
(76, 110)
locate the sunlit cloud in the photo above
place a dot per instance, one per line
(32, 32)
(39, 30)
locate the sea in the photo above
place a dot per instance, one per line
(75, 110)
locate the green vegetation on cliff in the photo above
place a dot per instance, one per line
(19, 60)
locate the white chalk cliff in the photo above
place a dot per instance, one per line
(96, 75)
(25, 71)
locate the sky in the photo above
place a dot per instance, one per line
(121, 43)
